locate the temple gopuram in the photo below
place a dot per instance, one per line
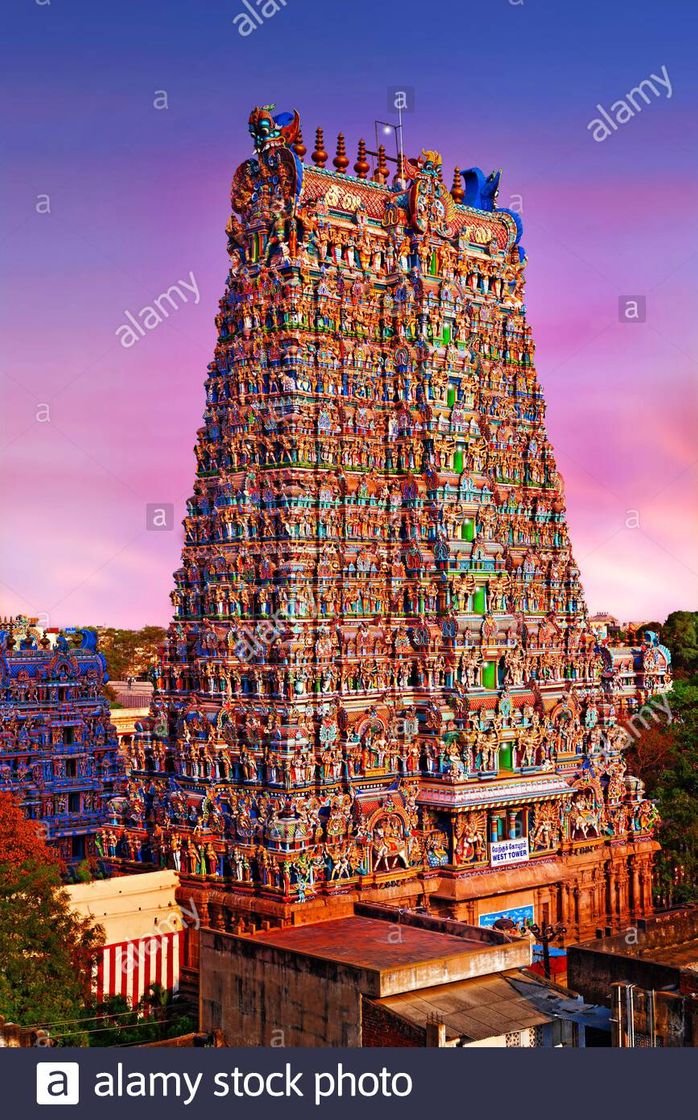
(380, 683)
(58, 747)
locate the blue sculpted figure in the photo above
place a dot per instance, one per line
(481, 193)
(89, 640)
(480, 189)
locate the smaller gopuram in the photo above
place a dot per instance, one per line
(58, 747)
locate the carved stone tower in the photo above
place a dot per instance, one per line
(380, 682)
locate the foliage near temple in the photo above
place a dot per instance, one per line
(665, 756)
(680, 634)
(46, 952)
(130, 653)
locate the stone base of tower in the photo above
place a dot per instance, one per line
(600, 885)
(585, 888)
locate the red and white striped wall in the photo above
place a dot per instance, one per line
(130, 967)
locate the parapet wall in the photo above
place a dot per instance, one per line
(594, 966)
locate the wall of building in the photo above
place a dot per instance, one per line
(595, 965)
(513, 902)
(591, 972)
(260, 995)
(380, 1027)
(587, 888)
(129, 906)
(143, 929)
(124, 720)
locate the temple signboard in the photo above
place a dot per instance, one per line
(509, 851)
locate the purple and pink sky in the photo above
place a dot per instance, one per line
(139, 197)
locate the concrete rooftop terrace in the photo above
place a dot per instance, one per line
(394, 955)
(309, 980)
(682, 955)
(668, 938)
(370, 942)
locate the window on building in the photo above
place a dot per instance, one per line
(480, 607)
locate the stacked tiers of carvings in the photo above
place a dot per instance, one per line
(377, 592)
(58, 747)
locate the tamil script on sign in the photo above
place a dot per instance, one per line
(509, 851)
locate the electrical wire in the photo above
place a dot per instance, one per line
(87, 1019)
(114, 1027)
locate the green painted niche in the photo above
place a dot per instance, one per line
(489, 675)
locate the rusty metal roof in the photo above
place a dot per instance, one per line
(472, 1010)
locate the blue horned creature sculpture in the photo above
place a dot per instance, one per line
(481, 193)
(89, 640)
(481, 190)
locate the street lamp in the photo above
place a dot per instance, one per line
(545, 935)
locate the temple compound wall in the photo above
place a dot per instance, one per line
(143, 930)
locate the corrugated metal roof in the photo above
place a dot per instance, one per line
(481, 1008)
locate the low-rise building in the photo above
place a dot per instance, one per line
(380, 977)
(605, 625)
(647, 978)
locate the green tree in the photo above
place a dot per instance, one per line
(171, 1012)
(676, 791)
(161, 1014)
(680, 634)
(112, 1022)
(46, 952)
(130, 652)
(666, 758)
